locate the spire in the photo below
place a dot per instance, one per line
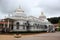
(5, 16)
(42, 13)
(8, 15)
(19, 9)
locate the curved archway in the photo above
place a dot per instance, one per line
(17, 25)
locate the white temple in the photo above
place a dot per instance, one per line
(18, 21)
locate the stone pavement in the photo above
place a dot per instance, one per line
(43, 36)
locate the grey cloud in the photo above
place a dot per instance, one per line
(8, 5)
(50, 7)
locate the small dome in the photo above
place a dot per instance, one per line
(19, 10)
(42, 16)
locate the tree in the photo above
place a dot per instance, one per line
(54, 20)
(59, 25)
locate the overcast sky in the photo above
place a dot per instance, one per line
(51, 8)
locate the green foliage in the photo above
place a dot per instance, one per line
(58, 29)
(59, 23)
(54, 20)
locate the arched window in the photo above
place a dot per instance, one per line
(27, 25)
(45, 26)
(17, 25)
(12, 27)
(37, 26)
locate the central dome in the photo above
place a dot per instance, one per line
(19, 12)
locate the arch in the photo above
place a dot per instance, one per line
(17, 25)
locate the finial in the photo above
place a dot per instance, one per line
(42, 13)
(8, 15)
(19, 7)
(5, 16)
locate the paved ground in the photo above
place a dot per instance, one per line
(40, 36)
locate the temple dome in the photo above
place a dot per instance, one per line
(42, 16)
(19, 13)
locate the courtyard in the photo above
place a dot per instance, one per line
(39, 36)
